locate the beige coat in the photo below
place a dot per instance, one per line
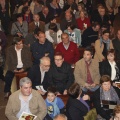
(109, 4)
(36, 104)
(98, 50)
(80, 72)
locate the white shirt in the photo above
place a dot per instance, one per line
(37, 24)
(113, 70)
(24, 105)
(42, 74)
(66, 46)
(20, 64)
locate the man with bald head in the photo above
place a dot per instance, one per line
(39, 76)
(60, 117)
(68, 19)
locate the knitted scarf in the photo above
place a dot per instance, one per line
(105, 41)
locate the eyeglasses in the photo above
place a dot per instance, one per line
(46, 65)
(58, 59)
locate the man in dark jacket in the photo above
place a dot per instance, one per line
(39, 75)
(18, 60)
(60, 74)
(41, 48)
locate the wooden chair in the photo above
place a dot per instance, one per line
(19, 76)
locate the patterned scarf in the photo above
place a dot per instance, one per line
(105, 41)
(113, 95)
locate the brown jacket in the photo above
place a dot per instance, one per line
(32, 26)
(36, 104)
(80, 72)
(11, 59)
(98, 50)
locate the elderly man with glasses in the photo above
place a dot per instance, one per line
(39, 75)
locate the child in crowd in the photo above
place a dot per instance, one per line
(117, 113)
(54, 104)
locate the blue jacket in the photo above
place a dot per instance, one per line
(50, 107)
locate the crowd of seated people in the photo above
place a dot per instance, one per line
(48, 36)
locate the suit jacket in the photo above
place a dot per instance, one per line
(32, 26)
(46, 19)
(11, 59)
(37, 106)
(80, 72)
(97, 104)
(98, 50)
(35, 75)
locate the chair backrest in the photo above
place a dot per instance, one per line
(91, 115)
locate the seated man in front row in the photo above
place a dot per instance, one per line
(39, 75)
(18, 60)
(87, 71)
(25, 100)
(60, 74)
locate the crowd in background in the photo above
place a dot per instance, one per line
(48, 36)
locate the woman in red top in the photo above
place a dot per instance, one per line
(83, 22)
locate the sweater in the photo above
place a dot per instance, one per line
(71, 55)
(89, 36)
(61, 77)
(80, 23)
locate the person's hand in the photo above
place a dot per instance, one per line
(19, 34)
(93, 44)
(16, 70)
(93, 85)
(86, 97)
(46, 54)
(87, 85)
(41, 92)
(111, 10)
(58, 93)
(114, 84)
(65, 92)
(21, 70)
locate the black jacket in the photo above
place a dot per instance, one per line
(105, 68)
(61, 77)
(96, 100)
(75, 109)
(35, 75)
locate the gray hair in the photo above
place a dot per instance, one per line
(24, 80)
(60, 117)
(44, 59)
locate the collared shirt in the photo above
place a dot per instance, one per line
(66, 46)
(113, 70)
(20, 64)
(37, 24)
(24, 105)
(42, 74)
